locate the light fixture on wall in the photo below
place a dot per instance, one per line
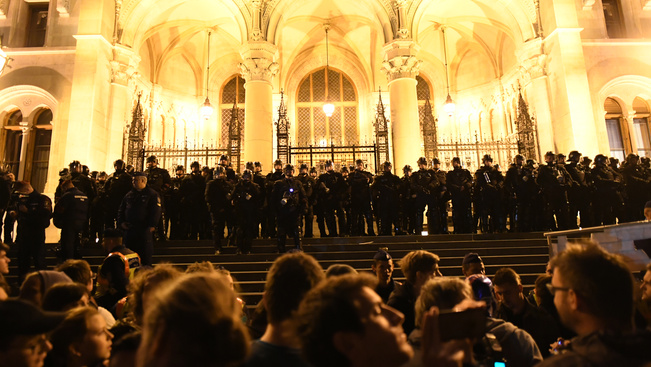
(206, 109)
(449, 106)
(328, 108)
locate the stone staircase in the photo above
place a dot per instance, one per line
(527, 253)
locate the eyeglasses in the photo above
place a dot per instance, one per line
(553, 289)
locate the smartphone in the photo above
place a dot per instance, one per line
(470, 323)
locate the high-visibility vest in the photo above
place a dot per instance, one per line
(131, 263)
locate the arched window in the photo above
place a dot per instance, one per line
(13, 141)
(423, 93)
(313, 126)
(233, 92)
(641, 127)
(615, 128)
(613, 18)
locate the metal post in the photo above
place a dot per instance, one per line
(311, 157)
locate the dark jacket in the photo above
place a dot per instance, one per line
(403, 299)
(140, 209)
(71, 210)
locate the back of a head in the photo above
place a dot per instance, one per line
(195, 321)
(147, 282)
(291, 276)
(335, 270)
(64, 296)
(442, 292)
(506, 276)
(601, 279)
(327, 309)
(415, 261)
(72, 330)
(77, 270)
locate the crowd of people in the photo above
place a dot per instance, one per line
(585, 311)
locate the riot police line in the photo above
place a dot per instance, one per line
(233, 209)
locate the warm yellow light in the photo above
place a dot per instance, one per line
(206, 109)
(449, 106)
(328, 109)
(4, 60)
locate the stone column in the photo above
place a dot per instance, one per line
(630, 124)
(123, 68)
(258, 69)
(25, 130)
(401, 68)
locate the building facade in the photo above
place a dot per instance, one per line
(77, 68)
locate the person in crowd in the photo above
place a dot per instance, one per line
(158, 179)
(489, 183)
(138, 217)
(65, 297)
(447, 294)
(289, 202)
(579, 193)
(117, 270)
(459, 184)
(336, 270)
(71, 215)
(81, 340)
(218, 198)
(124, 350)
(343, 322)
(4, 259)
(423, 184)
(309, 184)
(647, 210)
(141, 289)
(330, 186)
(593, 292)
(23, 333)
(79, 272)
(644, 304)
(38, 283)
(291, 276)
(193, 322)
(382, 267)
(554, 181)
(418, 267)
(474, 271)
(5, 289)
(116, 188)
(246, 198)
(440, 197)
(407, 207)
(33, 211)
(193, 203)
(514, 308)
(360, 203)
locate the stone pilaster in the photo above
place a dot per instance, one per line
(401, 66)
(258, 69)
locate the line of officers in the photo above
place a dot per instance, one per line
(207, 203)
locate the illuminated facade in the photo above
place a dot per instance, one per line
(78, 66)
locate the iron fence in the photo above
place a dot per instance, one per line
(471, 153)
(316, 156)
(172, 156)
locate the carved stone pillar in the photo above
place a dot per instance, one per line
(258, 69)
(401, 68)
(123, 69)
(630, 122)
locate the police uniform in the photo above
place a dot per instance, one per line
(423, 183)
(218, 198)
(360, 199)
(70, 215)
(308, 185)
(329, 187)
(386, 191)
(246, 202)
(489, 183)
(159, 180)
(138, 213)
(459, 183)
(289, 201)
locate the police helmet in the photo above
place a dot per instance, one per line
(456, 159)
(406, 168)
(74, 165)
(257, 164)
(574, 156)
(64, 172)
(249, 165)
(518, 157)
(487, 158)
(632, 157)
(328, 163)
(613, 161)
(219, 170)
(180, 168)
(313, 170)
(152, 159)
(600, 159)
(550, 154)
(435, 161)
(119, 165)
(586, 161)
(344, 169)
(195, 164)
(303, 166)
(386, 166)
(278, 162)
(246, 175)
(223, 157)
(559, 155)
(358, 162)
(288, 168)
(422, 160)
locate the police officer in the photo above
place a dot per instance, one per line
(329, 187)
(423, 183)
(360, 198)
(138, 216)
(173, 206)
(32, 210)
(260, 180)
(386, 194)
(193, 202)
(579, 193)
(218, 198)
(158, 179)
(269, 230)
(608, 202)
(289, 201)
(407, 201)
(246, 198)
(554, 181)
(636, 185)
(489, 183)
(308, 183)
(230, 172)
(80, 179)
(440, 196)
(344, 210)
(520, 186)
(116, 188)
(70, 215)
(459, 183)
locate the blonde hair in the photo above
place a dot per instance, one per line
(194, 321)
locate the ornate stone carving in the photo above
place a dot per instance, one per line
(259, 61)
(4, 5)
(401, 61)
(63, 7)
(588, 4)
(124, 65)
(533, 68)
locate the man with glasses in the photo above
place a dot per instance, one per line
(23, 326)
(593, 293)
